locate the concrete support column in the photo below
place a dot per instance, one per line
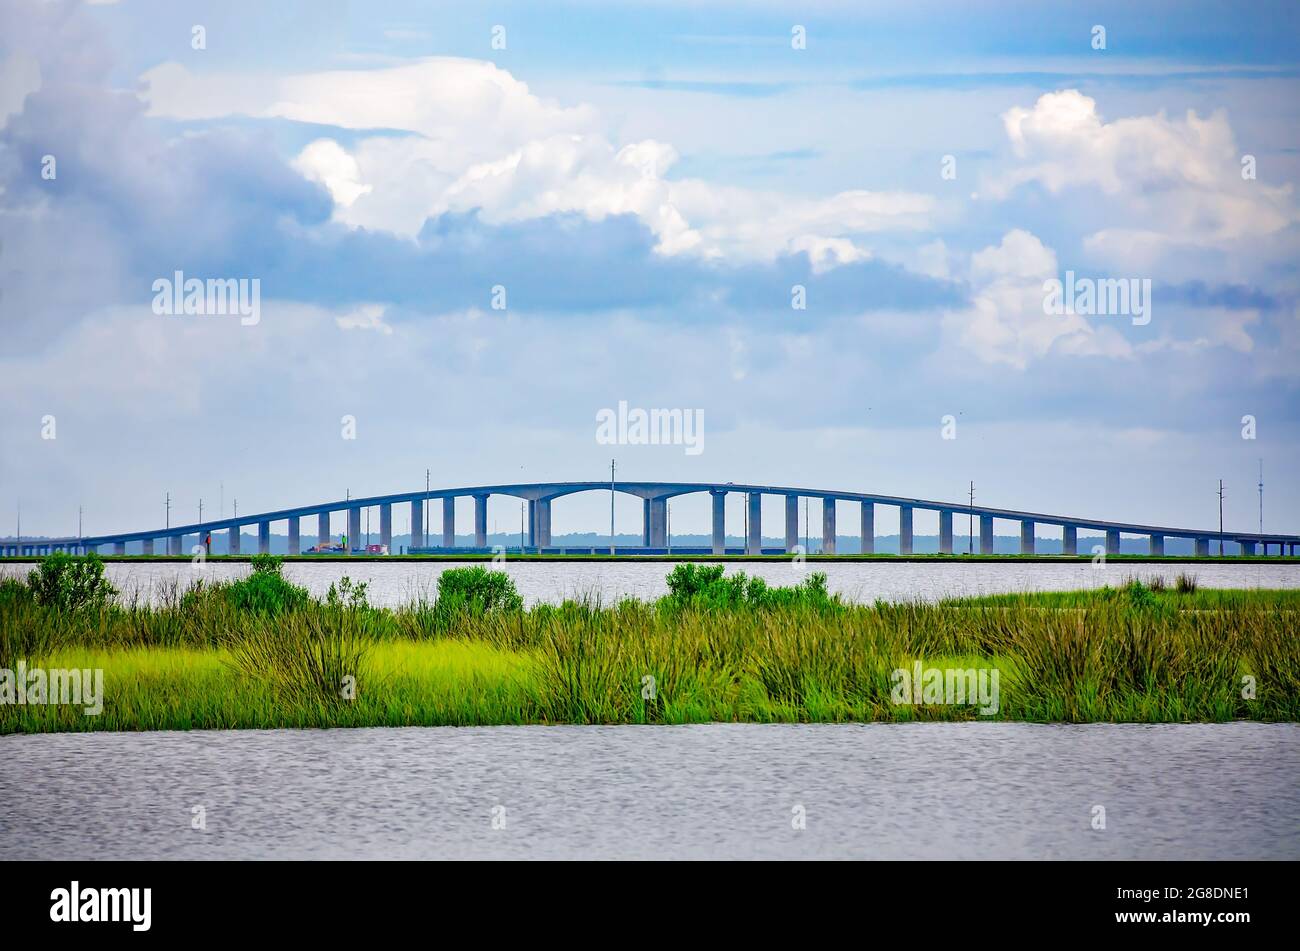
(146, 547)
(945, 532)
(1070, 540)
(544, 522)
(449, 522)
(263, 538)
(295, 535)
(986, 534)
(754, 543)
(1247, 548)
(119, 548)
(386, 526)
(173, 545)
(791, 522)
(868, 529)
(1202, 548)
(1112, 541)
(828, 526)
(1157, 545)
(534, 531)
(1026, 536)
(480, 521)
(658, 523)
(905, 529)
(719, 521)
(354, 528)
(323, 528)
(417, 523)
(645, 523)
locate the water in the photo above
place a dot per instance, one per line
(879, 791)
(396, 583)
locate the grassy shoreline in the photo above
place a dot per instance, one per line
(879, 557)
(261, 654)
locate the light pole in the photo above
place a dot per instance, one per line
(970, 522)
(611, 506)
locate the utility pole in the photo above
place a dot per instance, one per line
(79, 535)
(1220, 518)
(1261, 497)
(169, 515)
(426, 506)
(611, 506)
(668, 524)
(807, 528)
(970, 522)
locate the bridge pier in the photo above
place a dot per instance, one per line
(828, 526)
(791, 522)
(645, 523)
(232, 541)
(119, 548)
(719, 505)
(945, 531)
(386, 527)
(480, 521)
(1157, 545)
(295, 534)
(1026, 536)
(449, 522)
(146, 546)
(544, 521)
(1247, 548)
(354, 528)
(1202, 548)
(754, 543)
(1112, 541)
(1070, 540)
(174, 545)
(986, 534)
(263, 538)
(417, 523)
(658, 523)
(868, 529)
(323, 529)
(905, 529)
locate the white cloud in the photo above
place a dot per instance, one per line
(1170, 184)
(479, 139)
(1006, 321)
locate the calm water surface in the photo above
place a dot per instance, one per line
(937, 790)
(397, 583)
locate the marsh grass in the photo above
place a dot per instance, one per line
(194, 659)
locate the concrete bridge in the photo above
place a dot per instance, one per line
(655, 496)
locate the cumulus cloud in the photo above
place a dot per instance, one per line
(478, 139)
(1006, 321)
(1169, 183)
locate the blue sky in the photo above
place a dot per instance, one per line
(648, 182)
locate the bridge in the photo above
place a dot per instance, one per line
(654, 496)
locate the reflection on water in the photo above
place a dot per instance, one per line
(935, 790)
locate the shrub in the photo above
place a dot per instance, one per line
(68, 583)
(266, 591)
(706, 587)
(1185, 584)
(348, 594)
(478, 590)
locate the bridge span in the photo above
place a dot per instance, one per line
(655, 496)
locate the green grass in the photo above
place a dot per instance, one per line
(197, 661)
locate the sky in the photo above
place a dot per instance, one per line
(474, 227)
